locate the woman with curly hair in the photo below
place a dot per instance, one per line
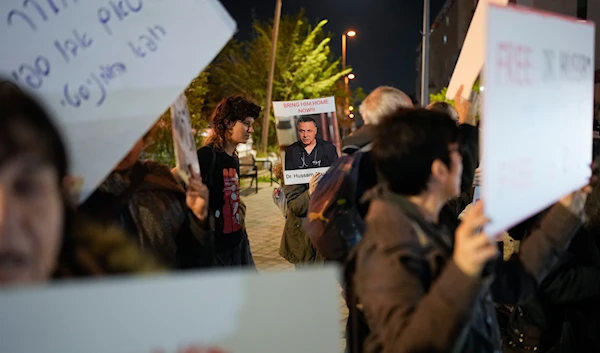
(232, 124)
(40, 236)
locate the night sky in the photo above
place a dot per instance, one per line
(384, 50)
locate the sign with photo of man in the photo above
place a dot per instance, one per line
(308, 135)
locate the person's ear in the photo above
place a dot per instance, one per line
(439, 170)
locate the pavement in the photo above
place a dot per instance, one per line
(264, 223)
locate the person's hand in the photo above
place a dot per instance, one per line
(575, 201)
(472, 249)
(466, 109)
(196, 196)
(314, 181)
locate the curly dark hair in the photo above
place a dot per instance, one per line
(229, 110)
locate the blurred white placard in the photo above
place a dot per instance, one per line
(237, 311)
(108, 69)
(184, 142)
(472, 54)
(537, 120)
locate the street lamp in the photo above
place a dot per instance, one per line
(347, 34)
(350, 108)
(351, 76)
(350, 33)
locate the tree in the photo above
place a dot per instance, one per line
(304, 68)
(441, 96)
(161, 147)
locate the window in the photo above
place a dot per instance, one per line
(447, 21)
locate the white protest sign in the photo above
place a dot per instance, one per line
(183, 139)
(537, 120)
(304, 107)
(236, 311)
(107, 69)
(299, 166)
(301, 176)
(472, 54)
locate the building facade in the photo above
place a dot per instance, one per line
(449, 29)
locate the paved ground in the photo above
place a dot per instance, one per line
(264, 223)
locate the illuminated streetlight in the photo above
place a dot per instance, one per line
(351, 116)
(351, 108)
(351, 33)
(351, 76)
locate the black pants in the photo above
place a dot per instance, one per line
(239, 256)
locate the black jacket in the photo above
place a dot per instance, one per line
(150, 207)
(564, 316)
(323, 155)
(359, 139)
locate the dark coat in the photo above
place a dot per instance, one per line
(359, 139)
(564, 316)
(416, 299)
(295, 243)
(153, 212)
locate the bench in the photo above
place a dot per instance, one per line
(249, 169)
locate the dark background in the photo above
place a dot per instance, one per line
(384, 50)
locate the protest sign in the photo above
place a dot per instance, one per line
(106, 70)
(236, 311)
(301, 124)
(184, 142)
(472, 53)
(537, 121)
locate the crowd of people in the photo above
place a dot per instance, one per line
(421, 275)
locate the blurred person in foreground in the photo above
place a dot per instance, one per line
(426, 285)
(564, 316)
(40, 235)
(149, 204)
(232, 124)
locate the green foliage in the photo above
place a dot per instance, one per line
(441, 96)
(304, 66)
(161, 147)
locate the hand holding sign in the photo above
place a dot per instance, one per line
(196, 196)
(473, 249)
(314, 182)
(466, 108)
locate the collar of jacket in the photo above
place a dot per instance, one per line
(438, 232)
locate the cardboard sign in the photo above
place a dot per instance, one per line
(537, 121)
(472, 54)
(235, 311)
(299, 166)
(184, 142)
(107, 69)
